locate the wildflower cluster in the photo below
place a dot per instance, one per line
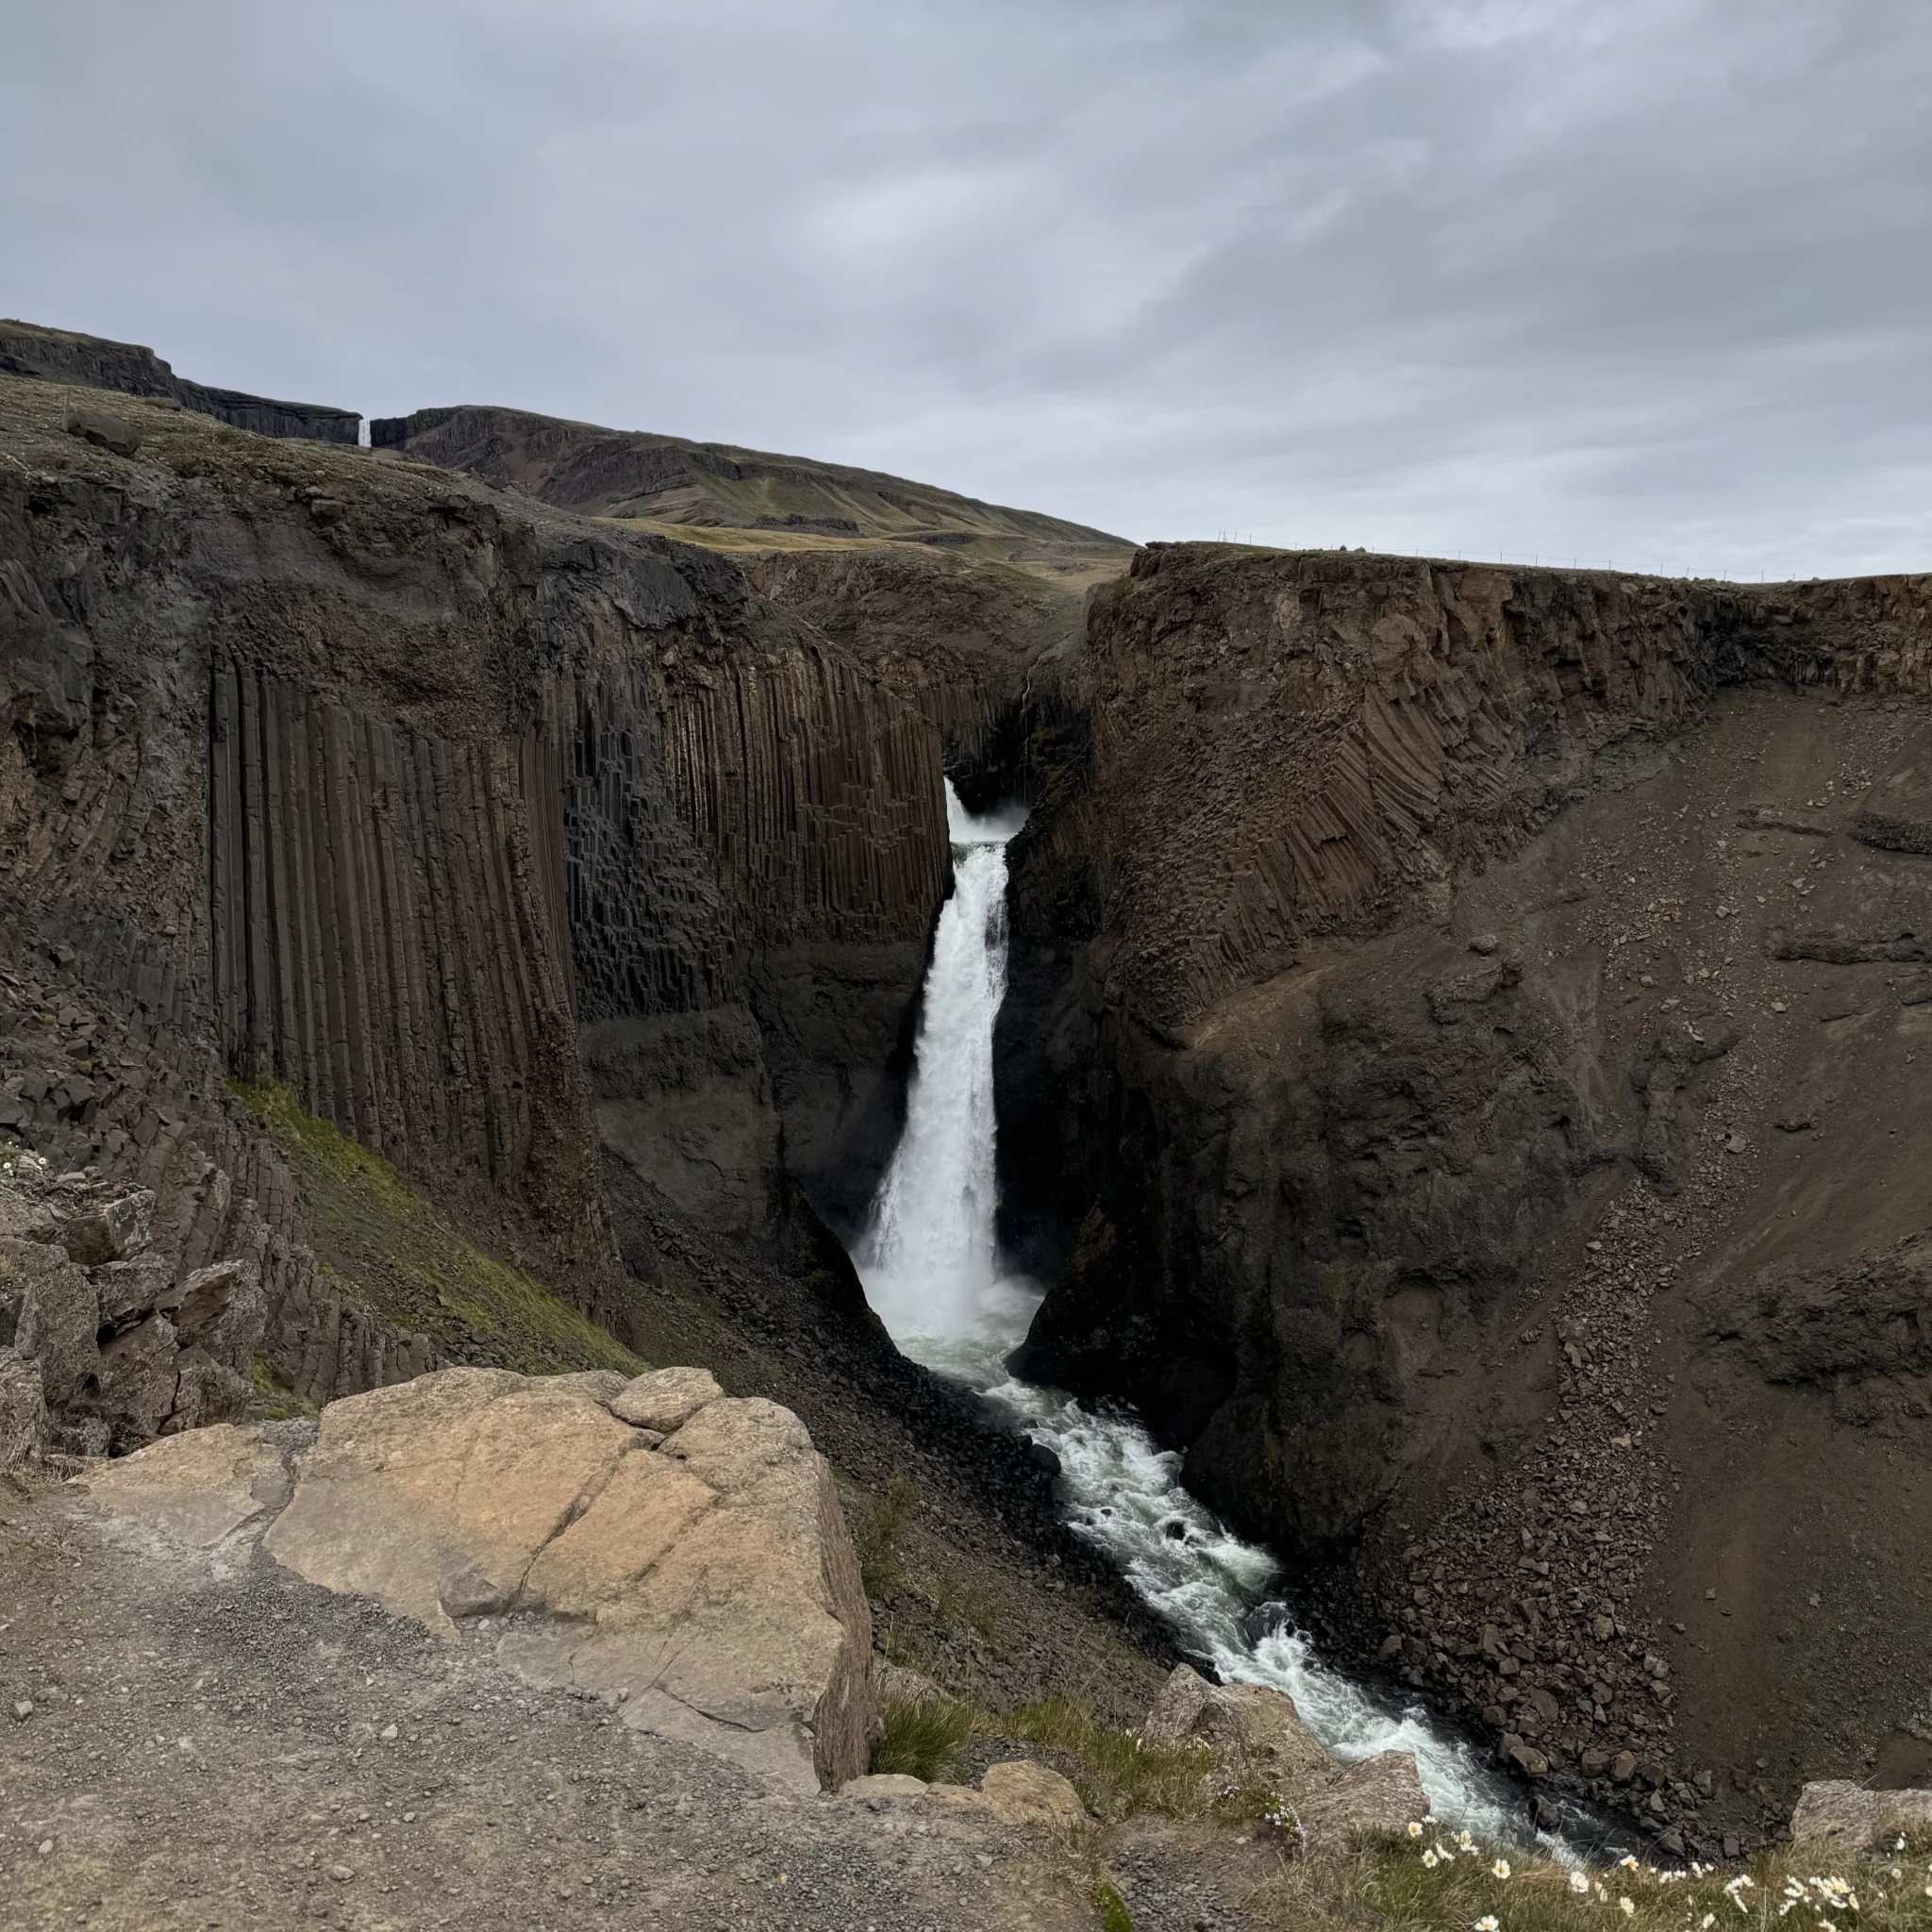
(1283, 1824)
(1824, 1896)
(1437, 1851)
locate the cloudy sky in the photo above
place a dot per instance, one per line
(1636, 281)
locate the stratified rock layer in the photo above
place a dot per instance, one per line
(54, 354)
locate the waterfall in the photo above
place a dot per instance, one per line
(929, 1256)
(931, 1268)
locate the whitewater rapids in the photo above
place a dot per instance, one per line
(930, 1264)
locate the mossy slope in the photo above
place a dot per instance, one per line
(387, 1248)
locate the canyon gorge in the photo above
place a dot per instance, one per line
(465, 904)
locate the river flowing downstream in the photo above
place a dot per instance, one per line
(929, 1259)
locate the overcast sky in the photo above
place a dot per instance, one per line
(1640, 281)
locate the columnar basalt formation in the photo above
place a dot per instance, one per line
(345, 773)
(1411, 977)
(349, 865)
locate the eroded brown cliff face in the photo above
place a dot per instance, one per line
(1429, 1088)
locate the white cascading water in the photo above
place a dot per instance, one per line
(929, 1259)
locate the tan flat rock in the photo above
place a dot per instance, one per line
(665, 1399)
(1025, 1794)
(708, 1587)
(1847, 1816)
(433, 1496)
(207, 1490)
(884, 1784)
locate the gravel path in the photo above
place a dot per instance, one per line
(250, 1751)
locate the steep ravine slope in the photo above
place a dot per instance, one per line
(1469, 1017)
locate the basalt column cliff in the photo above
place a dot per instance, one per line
(1477, 1012)
(352, 779)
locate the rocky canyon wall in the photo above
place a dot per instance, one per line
(506, 841)
(1405, 996)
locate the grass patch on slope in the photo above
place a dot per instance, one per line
(387, 1248)
(928, 1740)
(1113, 1771)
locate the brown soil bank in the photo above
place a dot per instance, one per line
(1480, 1014)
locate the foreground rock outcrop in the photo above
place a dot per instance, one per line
(698, 1576)
(193, 1731)
(1260, 1742)
(110, 1331)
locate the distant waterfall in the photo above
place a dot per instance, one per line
(930, 1258)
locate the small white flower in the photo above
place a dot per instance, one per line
(1500, 1868)
(1579, 1881)
(1628, 1910)
(1463, 1839)
(1415, 1831)
(1430, 1862)
(1629, 1861)
(1705, 1923)
(1488, 1924)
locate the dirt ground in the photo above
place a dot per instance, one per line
(245, 1751)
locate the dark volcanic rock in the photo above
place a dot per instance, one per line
(51, 354)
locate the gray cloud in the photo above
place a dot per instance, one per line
(1647, 282)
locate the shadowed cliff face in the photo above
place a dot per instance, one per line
(376, 783)
(1463, 1014)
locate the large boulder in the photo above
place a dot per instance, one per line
(1379, 1793)
(1848, 1818)
(703, 1581)
(1258, 1738)
(1255, 1730)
